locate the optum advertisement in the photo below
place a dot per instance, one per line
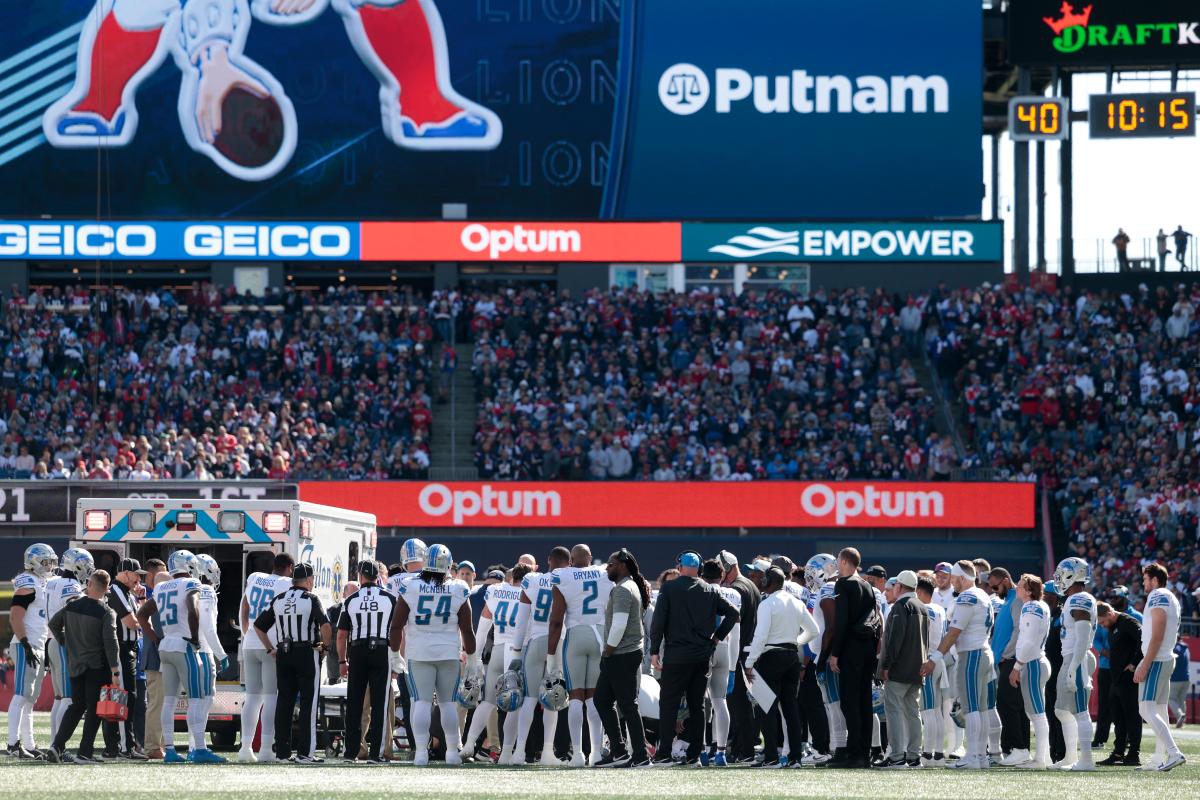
(517, 109)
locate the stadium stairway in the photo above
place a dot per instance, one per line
(451, 444)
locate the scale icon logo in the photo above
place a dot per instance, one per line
(683, 89)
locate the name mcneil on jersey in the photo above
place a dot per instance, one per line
(685, 89)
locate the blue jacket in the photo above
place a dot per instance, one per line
(1100, 642)
(1003, 631)
(1180, 673)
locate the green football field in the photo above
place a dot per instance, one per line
(24, 780)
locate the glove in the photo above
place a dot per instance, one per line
(223, 664)
(31, 657)
(515, 665)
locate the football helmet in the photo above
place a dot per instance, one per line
(510, 691)
(209, 569)
(1072, 570)
(820, 568)
(77, 563)
(470, 691)
(413, 550)
(437, 558)
(183, 562)
(41, 560)
(554, 696)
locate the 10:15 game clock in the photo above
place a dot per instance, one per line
(1142, 115)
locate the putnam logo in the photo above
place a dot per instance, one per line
(821, 500)
(438, 500)
(685, 89)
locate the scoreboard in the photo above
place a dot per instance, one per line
(1128, 115)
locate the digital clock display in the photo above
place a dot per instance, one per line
(1032, 119)
(1121, 116)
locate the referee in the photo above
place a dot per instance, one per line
(364, 658)
(119, 737)
(303, 633)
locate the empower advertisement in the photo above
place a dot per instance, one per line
(684, 505)
(1097, 33)
(531, 109)
(819, 242)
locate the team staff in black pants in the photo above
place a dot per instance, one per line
(1058, 748)
(1124, 654)
(87, 627)
(782, 628)
(303, 633)
(852, 656)
(743, 731)
(119, 738)
(685, 618)
(621, 662)
(364, 658)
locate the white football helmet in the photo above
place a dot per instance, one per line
(510, 691)
(1072, 570)
(41, 560)
(209, 569)
(438, 559)
(183, 562)
(820, 569)
(77, 562)
(413, 550)
(470, 691)
(554, 696)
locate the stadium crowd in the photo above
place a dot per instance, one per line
(1096, 396)
(625, 385)
(119, 383)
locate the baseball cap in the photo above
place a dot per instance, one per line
(907, 578)
(467, 565)
(302, 572)
(890, 583)
(495, 575)
(760, 565)
(943, 566)
(784, 563)
(876, 571)
(366, 569)
(727, 559)
(689, 559)
(131, 565)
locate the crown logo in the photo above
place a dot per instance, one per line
(1069, 18)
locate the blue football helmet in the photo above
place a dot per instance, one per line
(77, 563)
(819, 570)
(41, 560)
(413, 550)
(210, 570)
(1072, 570)
(183, 562)
(439, 559)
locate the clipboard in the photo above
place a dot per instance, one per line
(764, 696)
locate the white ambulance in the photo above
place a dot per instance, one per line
(243, 536)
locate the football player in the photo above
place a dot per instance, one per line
(28, 619)
(580, 597)
(502, 604)
(934, 685)
(529, 644)
(213, 658)
(258, 666)
(177, 602)
(1075, 678)
(75, 567)
(970, 623)
(1032, 669)
(821, 573)
(944, 595)
(433, 623)
(1159, 633)
(721, 670)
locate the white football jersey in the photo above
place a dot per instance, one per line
(503, 600)
(944, 597)
(36, 615)
(937, 624)
(394, 582)
(538, 590)
(209, 643)
(261, 589)
(733, 640)
(586, 590)
(1077, 602)
(1165, 601)
(431, 633)
(59, 592)
(171, 599)
(814, 606)
(974, 617)
(1034, 630)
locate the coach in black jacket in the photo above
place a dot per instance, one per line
(685, 617)
(852, 654)
(1124, 653)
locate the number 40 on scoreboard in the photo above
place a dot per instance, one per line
(1038, 119)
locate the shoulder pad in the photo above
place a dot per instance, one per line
(555, 579)
(25, 581)
(967, 599)
(527, 581)
(1158, 600)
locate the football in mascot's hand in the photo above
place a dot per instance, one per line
(251, 128)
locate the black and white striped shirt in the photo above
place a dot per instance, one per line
(122, 601)
(367, 614)
(296, 615)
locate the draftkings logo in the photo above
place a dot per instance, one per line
(1074, 30)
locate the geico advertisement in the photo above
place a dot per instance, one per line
(685, 505)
